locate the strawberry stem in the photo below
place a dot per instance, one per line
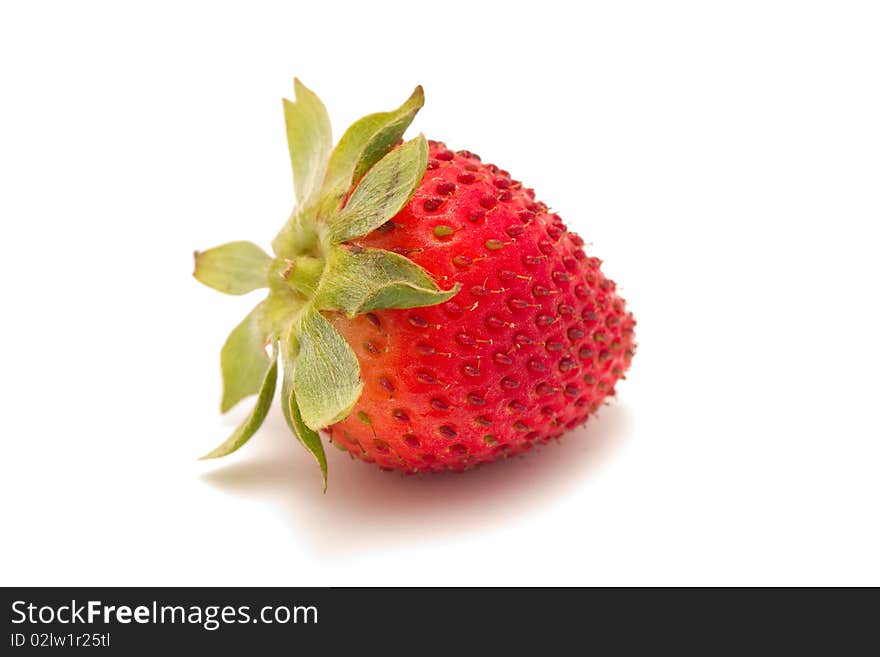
(304, 273)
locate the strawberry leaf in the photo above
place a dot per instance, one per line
(309, 140)
(309, 439)
(382, 193)
(254, 419)
(326, 379)
(234, 268)
(243, 359)
(366, 142)
(360, 280)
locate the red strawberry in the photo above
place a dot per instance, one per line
(534, 342)
(429, 312)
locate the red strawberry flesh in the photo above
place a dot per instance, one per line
(532, 345)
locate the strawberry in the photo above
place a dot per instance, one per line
(429, 313)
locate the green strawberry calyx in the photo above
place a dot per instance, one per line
(342, 193)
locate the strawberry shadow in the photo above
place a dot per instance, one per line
(366, 509)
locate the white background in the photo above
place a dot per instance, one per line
(722, 158)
